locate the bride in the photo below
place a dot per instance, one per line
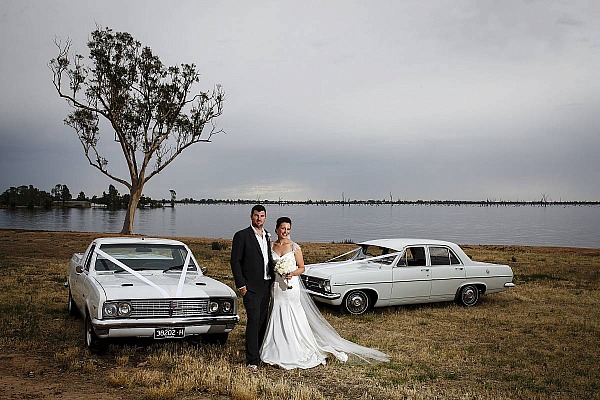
(297, 334)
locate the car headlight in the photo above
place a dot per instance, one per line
(325, 285)
(115, 309)
(220, 306)
(227, 306)
(213, 307)
(111, 310)
(124, 309)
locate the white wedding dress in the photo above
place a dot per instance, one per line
(297, 335)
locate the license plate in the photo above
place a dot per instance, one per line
(169, 333)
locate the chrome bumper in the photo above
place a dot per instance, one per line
(509, 285)
(164, 322)
(329, 296)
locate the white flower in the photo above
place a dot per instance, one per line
(268, 235)
(284, 266)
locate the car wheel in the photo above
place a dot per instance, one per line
(356, 302)
(92, 342)
(469, 295)
(216, 338)
(71, 306)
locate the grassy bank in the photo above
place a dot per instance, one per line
(540, 340)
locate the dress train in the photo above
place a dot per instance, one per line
(298, 336)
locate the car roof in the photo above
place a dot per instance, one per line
(401, 243)
(136, 240)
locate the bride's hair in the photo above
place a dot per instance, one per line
(283, 220)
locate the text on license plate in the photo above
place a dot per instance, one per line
(169, 333)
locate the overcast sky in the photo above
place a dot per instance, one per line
(462, 100)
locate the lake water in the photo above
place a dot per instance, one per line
(576, 226)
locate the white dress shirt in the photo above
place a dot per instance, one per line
(262, 241)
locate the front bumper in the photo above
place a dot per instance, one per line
(328, 296)
(114, 328)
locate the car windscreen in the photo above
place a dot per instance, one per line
(377, 254)
(143, 257)
(348, 256)
(381, 255)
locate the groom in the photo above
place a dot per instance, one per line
(252, 267)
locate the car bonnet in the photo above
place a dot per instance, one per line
(127, 286)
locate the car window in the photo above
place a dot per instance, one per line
(442, 256)
(413, 256)
(140, 257)
(86, 262)
(453, 259)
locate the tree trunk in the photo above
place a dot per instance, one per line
(134, 197)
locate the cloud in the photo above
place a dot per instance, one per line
(457, 100)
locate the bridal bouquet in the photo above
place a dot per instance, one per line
(284, 266)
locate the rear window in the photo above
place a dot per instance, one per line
(442, 256)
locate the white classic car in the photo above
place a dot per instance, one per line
(389, 272)
(142, 287)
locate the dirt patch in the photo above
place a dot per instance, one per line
(36, 376)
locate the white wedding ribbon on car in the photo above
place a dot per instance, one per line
(135, 273)
(362, 260)
(183, 273)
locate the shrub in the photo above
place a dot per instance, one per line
(218, 246)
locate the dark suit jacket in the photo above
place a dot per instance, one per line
(247, 263)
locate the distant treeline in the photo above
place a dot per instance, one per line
(31, 197)
(391, 202)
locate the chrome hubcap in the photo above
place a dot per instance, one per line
(356, 303)
(469, 295)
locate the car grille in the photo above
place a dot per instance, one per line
(169, 308)
(313, 284)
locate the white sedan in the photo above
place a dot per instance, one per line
(142, 287)
(388, 272)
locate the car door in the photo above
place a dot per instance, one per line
(447, 273)
(411, 278)
(78, 284)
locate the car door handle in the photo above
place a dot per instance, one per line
(425, 269)
(459, 268)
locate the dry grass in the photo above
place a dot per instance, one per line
(540, 340)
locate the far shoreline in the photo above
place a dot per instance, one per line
(480, 203)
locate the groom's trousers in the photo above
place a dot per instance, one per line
(257, 311)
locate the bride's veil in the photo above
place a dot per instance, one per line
(328, 338)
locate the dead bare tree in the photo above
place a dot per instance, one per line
(545, 199)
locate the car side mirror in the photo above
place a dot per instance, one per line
(79, 269)
(203, 270)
